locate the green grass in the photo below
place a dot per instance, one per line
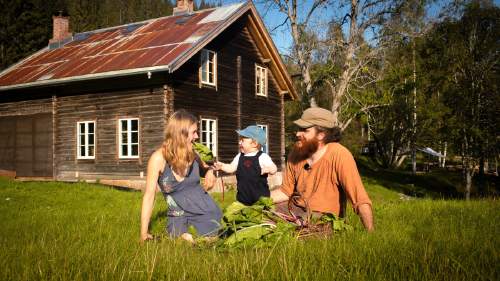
(60, 231)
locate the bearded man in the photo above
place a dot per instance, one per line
(321, 173)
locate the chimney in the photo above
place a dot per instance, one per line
(60, 28)
(183, 7)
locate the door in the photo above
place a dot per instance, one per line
(26, 145)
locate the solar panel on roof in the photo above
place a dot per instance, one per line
(184, 19)
(81, 36)
(132, 27)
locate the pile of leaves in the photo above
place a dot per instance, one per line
(260, 225)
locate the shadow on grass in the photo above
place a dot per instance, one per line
(438, 185)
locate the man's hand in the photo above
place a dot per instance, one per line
(209, 181)
(278, 196)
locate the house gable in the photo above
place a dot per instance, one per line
(157, 45)
(233, 103)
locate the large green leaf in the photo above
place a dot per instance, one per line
(205, 153)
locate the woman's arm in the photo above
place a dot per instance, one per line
(203, 167)
(209, 181)
(155, 164)
(207, 173)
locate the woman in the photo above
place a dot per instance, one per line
(175, 167)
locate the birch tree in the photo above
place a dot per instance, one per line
(356, 20)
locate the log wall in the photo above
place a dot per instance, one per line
(236, 52)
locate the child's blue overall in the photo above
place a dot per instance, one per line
(251, 184)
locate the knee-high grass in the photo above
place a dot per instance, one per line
(60, 231)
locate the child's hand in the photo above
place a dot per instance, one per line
(218, 165)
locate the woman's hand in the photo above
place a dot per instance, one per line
(146, 236)
(209, 181)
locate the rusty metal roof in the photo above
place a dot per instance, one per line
(161, 44)
(152, 45)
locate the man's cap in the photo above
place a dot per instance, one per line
(253, 132)
(316, 116)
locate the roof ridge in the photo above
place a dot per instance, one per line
(109, 28)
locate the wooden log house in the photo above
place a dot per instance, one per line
(93, 106)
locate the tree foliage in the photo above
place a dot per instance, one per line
(464, 57)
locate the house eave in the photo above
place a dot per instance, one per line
(95, 76)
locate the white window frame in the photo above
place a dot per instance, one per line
(210, 66)
(87, 136)
(265, 148)
(129, 138)
(261, 80)
(204, 133)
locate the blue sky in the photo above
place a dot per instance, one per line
(272, 19)
(282, 37)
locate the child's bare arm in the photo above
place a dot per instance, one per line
(227, 168)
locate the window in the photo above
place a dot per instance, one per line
(264, 147)
(208, 135)
(260, 81)
(208, 69)
(128, 135)
(86, 140)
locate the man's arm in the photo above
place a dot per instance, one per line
(366, 215)
(350, 180)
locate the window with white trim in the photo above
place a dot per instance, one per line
(260, 81)
(264, 148)
(208, 134)
(128, 136)
(86, 140)
(208, 68)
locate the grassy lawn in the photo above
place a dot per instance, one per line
(60, 231)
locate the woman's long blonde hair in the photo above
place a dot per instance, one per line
(175, 147)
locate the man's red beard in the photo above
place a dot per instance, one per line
(302, 150)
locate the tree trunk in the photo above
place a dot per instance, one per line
(400, 161)
(304, 63)
(468, 180)
(443, 159)
(414, 123)
(480, 176)
(347, 67)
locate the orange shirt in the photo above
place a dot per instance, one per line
(320, 184)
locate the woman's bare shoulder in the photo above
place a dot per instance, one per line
(157, 157)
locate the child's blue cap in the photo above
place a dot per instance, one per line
(253, 132)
